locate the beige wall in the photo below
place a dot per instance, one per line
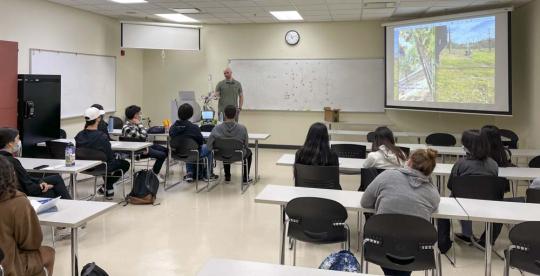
(45, 25)
(164, 76)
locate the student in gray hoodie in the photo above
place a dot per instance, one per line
(230, 129)
(407, 191)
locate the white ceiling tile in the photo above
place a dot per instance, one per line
(239, 3)
(308, 2)
(345, 6)
(312, 8)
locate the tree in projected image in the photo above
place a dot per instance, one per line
(416, 64)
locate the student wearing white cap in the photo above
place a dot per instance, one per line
(92, 138)
(103, 126)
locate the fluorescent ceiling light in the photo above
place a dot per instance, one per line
(287, 15)
(177, 17)
(187, 11)
(129, 1)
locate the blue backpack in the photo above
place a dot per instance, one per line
(344, 260)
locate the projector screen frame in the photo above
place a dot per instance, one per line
(450, 110)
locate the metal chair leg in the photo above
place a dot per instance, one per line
(506, 263)
(294, 252)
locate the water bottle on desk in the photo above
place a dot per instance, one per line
(70, 155)
(110, 126)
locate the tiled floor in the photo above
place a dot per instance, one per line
(179, 235)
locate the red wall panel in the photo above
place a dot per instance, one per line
(8, 83)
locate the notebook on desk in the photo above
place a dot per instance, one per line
(45, 205)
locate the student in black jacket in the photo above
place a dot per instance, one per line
(183, 127)
(92, 138)
(49, 186)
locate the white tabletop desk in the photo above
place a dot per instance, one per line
(353, 165)
(131, 147)
(397, 134)
(454, 151)
(491, 212)
(225, 267)
(59, 166)
(255, 137)
(281, 195)
(74, 214)
(349, 165)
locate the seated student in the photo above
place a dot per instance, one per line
(92, 138)
(232, 130)
(133, 128)
(497, 151)
(476, 163)
(384, 153)
(408, 191)
(103, 126)
(20, 232)
(316, 150)
(49, 186)
(183, 127)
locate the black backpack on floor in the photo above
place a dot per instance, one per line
(92, 269)
(145, 188)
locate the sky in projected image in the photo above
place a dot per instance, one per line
(451, 61)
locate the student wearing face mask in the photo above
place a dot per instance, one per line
(48, 186)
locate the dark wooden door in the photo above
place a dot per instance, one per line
(8, 83)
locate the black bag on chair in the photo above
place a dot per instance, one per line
(92, 269)
(145, 188)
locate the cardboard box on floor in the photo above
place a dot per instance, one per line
(331, 115)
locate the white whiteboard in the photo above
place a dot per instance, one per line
(85, 79)
(355, 85)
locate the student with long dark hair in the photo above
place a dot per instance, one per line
(476, 163)
(384, 153)
(497, 151)
(20, 232)
(316, 150)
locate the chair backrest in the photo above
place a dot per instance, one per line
(370, 137)
(322, 177)
(533, 196)
(90, 154)
(366, 177)
(57, 150)
(535, 162)
(117, 122)
(350, 151)
(313, 220)
(184, 148)
(63, 134)
(228, 150)
(478, 187)
(441, 139)
(525, 236)
(207, 128)
(406, 150)
(400, 242)
(506, 133)
(131, 139)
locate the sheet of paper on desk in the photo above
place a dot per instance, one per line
(114, 144)
(44, 205)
